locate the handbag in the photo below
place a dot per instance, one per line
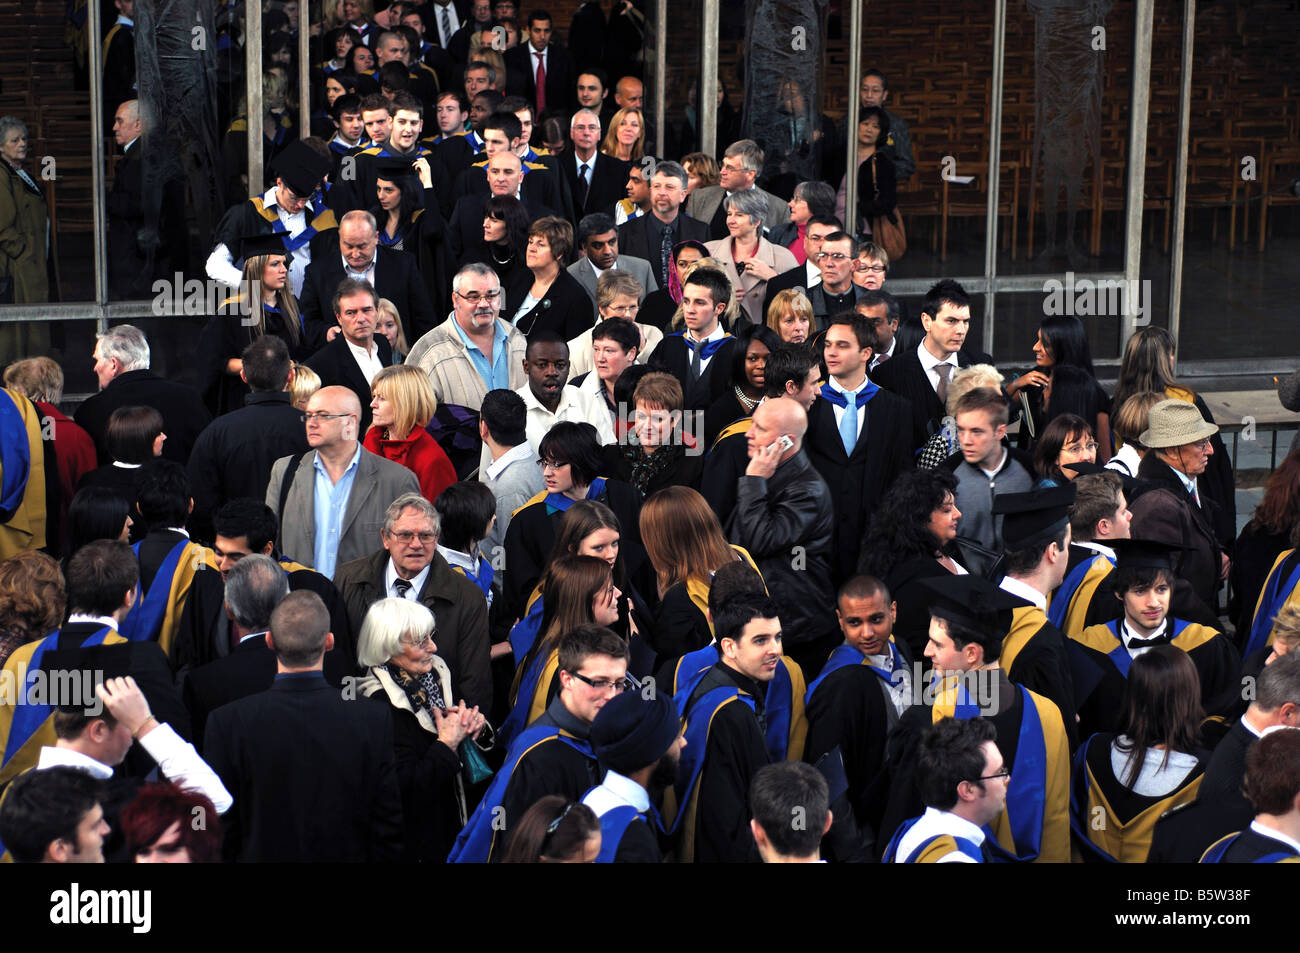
(477, 770)
(887, 231)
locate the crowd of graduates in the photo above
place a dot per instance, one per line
(579, 505)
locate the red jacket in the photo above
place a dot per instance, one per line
(74, 450)
(420, 454)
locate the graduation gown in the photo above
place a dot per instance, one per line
(224, 337)
(29, 490)
(849, 707)
(1071, 607)
(1035, 655)
(1110, 821)
(423, 237)
(1211, 652)
(251, 217)
(1041, 818)
(177, 577)
(1281, 588)
(724, 465)
(1251, 847)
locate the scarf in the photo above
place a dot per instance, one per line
(646, 467)
(423, 690)
(675, 282)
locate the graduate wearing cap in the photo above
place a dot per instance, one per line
(638, 742)
(289, 209)
(1035, 654)
(403, 143)
(1143, 583)
(405, 205)
(969, 617)
(860, 694)
(242, 319)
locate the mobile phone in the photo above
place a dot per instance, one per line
(784, 442)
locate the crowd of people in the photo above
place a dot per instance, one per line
(505, 460)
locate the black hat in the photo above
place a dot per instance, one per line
(84, 668)
(972, 599)
(1084, 467)
(265, 243)
(1144, 553)
(301, 168)
(1035, 517)
(632, 732)
(392, 167)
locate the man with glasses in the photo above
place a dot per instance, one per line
(598, 240)
(880, 308)
(409, 566)
(553, 755)
(337, 492)
(809, 274)
(741, 164)
(1169, 502)
(963, 780)
(595, 180)
(473, 351)
(836, 292)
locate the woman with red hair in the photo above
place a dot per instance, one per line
(166, 824)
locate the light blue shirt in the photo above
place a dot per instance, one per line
(330, 500)
(497, 374)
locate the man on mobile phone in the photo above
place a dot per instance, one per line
(784, 519)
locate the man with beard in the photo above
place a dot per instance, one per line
(639, 742)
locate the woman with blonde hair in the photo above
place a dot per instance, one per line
(430, 730)
(305, 382)
(389, 324)
(790, 315)
(626, 137)
(686, 546)
(402, 406)
(701, 171)
(944, 443)
(264, 304)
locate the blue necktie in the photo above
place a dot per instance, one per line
(849, 421)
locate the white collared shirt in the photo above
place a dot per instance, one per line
(53, 757)
(1097, 548)
(368, 361)
(574, 405)
(1263, 831)
(887, 352)
(1189, 484)
(367, 275)
(597, 270)
(841, 411)
(417, 583)
(107, 620)
(718, 334)
(899, 695)
(1127, 635)
(813, 276)
(616, 791)
(933, 823)
(533, 53)
(520, 452)
(929, 362)
(1018, 587)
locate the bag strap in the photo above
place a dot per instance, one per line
(289, 473)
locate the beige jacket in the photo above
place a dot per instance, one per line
(444, 357)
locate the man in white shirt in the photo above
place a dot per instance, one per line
(963, 781)
(354, 357)
(881, 309)
(639, 742)
(549, 399)
(598, 240)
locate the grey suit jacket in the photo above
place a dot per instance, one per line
(378, 482)
(703, 205)
(514, 486)
(638, 268)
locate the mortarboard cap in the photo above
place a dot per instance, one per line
(973, 600)
(1083, 467)
(1033, 518)
(390, 167)
(1144, 553)
(80, 669)
(266, 243)
(301, 168)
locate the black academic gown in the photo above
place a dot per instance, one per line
(724, 465)
(679, 625)
(736, 749)
(224, 338)
(672, 356)
(1042, 663)
(424, 239)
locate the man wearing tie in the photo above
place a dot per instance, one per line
(654, 236)
(857, 437)
(538, 70)
(700, 357)
(595, 180)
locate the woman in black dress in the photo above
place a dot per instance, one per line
(505, 238)
(409, 221)
(546, 297)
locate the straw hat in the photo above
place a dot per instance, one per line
(1175, 423)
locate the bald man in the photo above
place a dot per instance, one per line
(784, 519)
(505, 175)
(331, 500)
(629, 93)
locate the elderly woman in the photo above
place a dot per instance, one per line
(944, 443)
(404, 672)
(747, 258)
(24, 244)
(617, 296)
(401, 407)
(546, 297)
(811, 200)
(32, 598)
(790, 315)
(655, 455)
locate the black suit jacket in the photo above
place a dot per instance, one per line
(608, 178)
(561, 76)
(859, 481)
(903, 375)
(567, 309)
(312, 776)
(673, 357)
(336, 365)
(248, 670)
(636, 238)
(396, 279)
(794, 278)
(183, 412)
(539, 189)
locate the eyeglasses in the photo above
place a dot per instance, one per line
(1005, 774)
(602, 684)
(874, 269)
(421, 643)
(1088, 447)
(321, 415)
(627, 309)
(550, 464)
(406, 536)
(474, 297)
(1201, 445)
(837, 257)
